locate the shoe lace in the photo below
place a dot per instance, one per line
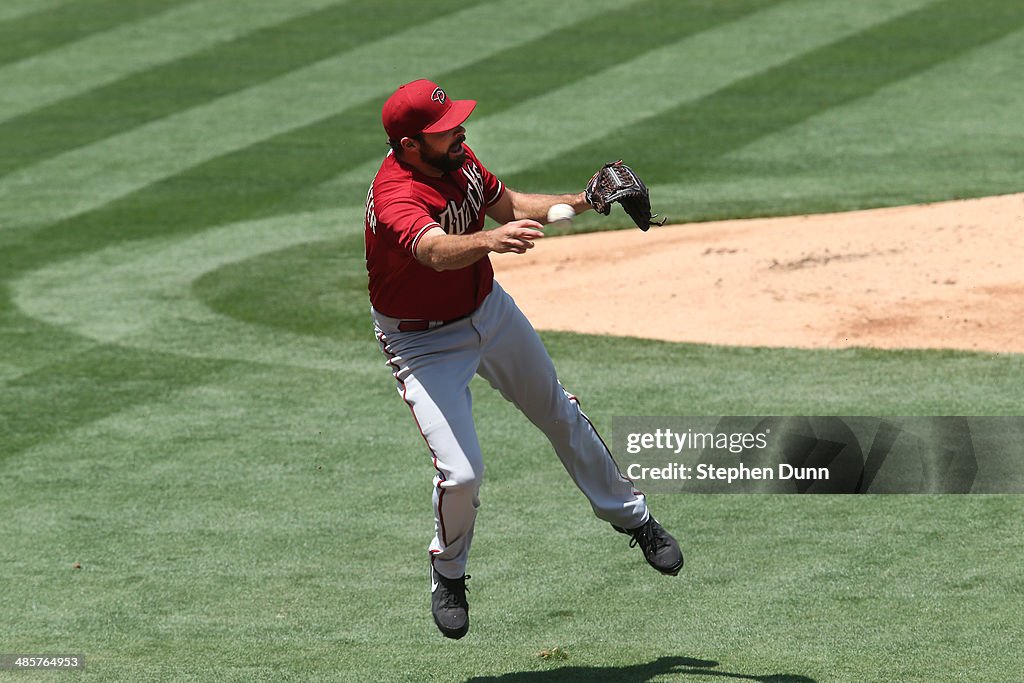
(455, 590)
(648, 539)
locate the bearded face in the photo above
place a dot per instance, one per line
(444, 151)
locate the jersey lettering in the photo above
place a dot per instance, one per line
(371, 217)
(401, 206)
(456, 219)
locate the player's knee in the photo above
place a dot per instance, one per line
(462, 481)
(556, 411)
(562, 418)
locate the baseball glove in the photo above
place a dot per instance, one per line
(616, 182)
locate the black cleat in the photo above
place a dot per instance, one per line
(448, 605)
(660, 550)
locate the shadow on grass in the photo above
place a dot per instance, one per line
(637, 673)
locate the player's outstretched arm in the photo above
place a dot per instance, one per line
(441, 251)
(515, 205)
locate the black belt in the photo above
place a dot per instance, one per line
(421, 325)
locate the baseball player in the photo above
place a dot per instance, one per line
(440, 318)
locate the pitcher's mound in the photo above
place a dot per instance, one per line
(947, 275)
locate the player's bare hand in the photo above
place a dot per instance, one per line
(515, 237)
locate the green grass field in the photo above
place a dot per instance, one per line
(206, 474)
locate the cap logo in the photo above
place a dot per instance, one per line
(438, 96)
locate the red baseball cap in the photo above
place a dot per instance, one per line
(423, 107)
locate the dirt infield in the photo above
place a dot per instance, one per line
(946, 275)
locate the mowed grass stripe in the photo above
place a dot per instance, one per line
(29, 344)
(197, 78)
(849, 157)
(498, 83)
(15, 9)
(661, 80)
(952, 104)
(89, 177)
(140, 294)
(542, 128)
(285, 166)
(37, 32)
(113, 55)
(89, 386)
(685, 144)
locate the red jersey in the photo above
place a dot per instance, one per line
(401, 206)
